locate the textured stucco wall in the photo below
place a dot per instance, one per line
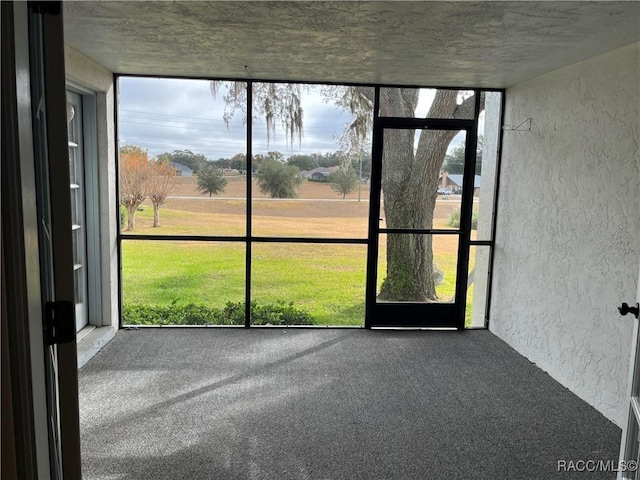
(84, 72)
(568, 233)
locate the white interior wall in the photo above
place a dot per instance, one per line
(567, 241)
(84, 72)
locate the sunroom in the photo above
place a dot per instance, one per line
(531, 107)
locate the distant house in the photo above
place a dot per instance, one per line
(319, 174)
(454, 183)
(182, 170)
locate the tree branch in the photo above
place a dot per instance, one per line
(367, 92)
(466, 109)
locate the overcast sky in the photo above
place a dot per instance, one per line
(162, 115)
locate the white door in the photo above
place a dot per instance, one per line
(629, 447)
(78, 196)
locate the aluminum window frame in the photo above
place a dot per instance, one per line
(248, 239)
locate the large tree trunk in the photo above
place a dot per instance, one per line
(409, 186)
(409, 269)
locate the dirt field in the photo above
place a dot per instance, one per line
(232, 201)
(237, 187)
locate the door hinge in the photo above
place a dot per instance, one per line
(60, 318)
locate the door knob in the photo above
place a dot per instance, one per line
(625, 309)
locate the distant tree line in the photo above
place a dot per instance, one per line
(304, 162)
(454, 161)
(276, 176)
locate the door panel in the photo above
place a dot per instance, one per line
(420, 256)
(22, 312)
(629, 446)
(45, 245)
(48, 92)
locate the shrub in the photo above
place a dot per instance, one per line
(278, 180)
(211, 180)
(454, 219)
(279, 313)
(190, 314)
(344, 181)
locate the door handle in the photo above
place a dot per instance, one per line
(624, 309)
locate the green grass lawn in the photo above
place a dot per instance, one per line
(327, 281)
(159, 273)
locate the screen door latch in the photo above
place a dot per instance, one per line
(625, 309)
(60, 321)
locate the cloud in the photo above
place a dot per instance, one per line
(162, 114)
(177, 114)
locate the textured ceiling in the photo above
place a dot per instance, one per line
(466, 44)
